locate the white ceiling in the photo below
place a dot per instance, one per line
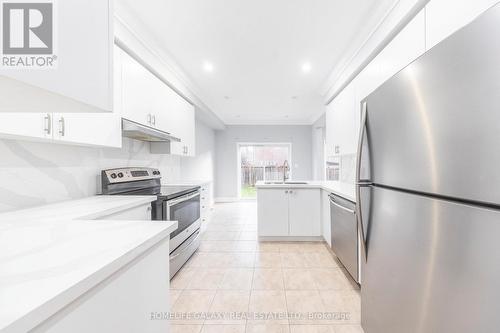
(257, 49)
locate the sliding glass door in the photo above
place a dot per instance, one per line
(263, 162)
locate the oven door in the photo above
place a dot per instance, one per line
(186, 211)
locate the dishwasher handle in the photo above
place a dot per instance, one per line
(350, 211)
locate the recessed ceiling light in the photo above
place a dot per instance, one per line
(208, 67)
(306, 67)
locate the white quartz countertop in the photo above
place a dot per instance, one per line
(344, 190)
(50, 255)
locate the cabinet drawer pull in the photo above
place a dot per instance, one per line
(48, 123)
(62, 128)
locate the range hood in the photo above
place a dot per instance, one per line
(134, 130)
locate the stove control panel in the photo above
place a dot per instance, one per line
(123, 175)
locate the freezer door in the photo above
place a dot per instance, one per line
(435, 126)
(432, 266)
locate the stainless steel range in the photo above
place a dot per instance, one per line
(174, 203)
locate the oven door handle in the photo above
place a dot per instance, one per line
(185, 247)
(183, 198)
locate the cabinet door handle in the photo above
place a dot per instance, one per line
(62, 126)
(154, 119)
(286, 191)
(48, 123)
(149, 118)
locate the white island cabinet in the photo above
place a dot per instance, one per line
(97, 264)
(81, 79)
(289, 212)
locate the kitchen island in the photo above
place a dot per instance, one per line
(298, 210)
(81, 266)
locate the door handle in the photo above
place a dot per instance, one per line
(362, 132)
(185, 247)
(149, 118)
(153, 117)
(62, 126)
(350, 211)
(48, 123)
(359, 182)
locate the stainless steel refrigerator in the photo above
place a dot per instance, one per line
(428, 190)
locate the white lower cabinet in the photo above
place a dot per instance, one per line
(286, 212)
(127, 301)
(272, 212)
(304, 212)
(205, 202)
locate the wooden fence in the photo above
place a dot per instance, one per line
(252, 174)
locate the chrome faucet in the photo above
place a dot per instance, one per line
(286, 169)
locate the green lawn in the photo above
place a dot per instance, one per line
(248, 191)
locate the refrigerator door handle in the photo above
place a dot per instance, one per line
(362, 132)
(359, 219)
(361, 183)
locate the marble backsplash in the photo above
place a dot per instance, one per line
(34, 173)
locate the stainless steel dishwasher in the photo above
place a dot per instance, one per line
(344, 231)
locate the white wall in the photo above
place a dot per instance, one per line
(226, 176)
(318, 132)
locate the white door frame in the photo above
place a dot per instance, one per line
(238, 159)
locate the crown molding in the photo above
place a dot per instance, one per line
(392, 22)
(131, 35)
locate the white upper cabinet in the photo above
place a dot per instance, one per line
(407, 46)
(444, 17)
(24, 125)
(101, 129)
(343, 113)
(138, 90)
(148, 100)
(342, 122)
(82, 80)
(184, 128)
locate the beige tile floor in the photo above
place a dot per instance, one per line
(233, 272)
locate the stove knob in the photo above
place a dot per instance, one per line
(113, 175)
(120, 174)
